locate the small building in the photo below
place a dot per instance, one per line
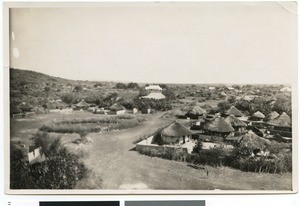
(117, 109)
(153, 88)
(281, 125)
(134, 110)
(223, 94)
(218, 127)
(257, 116)
(174, 133)
(196, 112)
(36, 156)
(230, 88)
(253, 142)
(271, 116)
(154, 95)
(238, 125)
(100, 111)
(247, 98)
(234, 111)
(56, 104)
(82, 105)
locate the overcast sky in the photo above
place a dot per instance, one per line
(159, 42)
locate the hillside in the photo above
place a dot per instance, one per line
(36, 89)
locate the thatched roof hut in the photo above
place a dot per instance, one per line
(197, 110)
(154, 95)
(175, 130)
(234, 111)
(271, 116)
(116, 107)
(283, 120)
(258, 115)
(235, 122)
(251, 140)
(247, 98)
(82, 104)
(218, 125)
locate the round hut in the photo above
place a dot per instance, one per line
(174, 133)
(271, 116)
(253, 142)
(257, 116)
(283, 120)
(195, 112)
(82, 105)
(117, 109)
(238, 125)
(234, 111)
(218, 127)
(281, 125)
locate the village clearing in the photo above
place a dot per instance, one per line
(114, 164)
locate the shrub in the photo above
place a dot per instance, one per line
(61, 170)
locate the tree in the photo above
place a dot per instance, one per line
(78, 88)
(283, 104)
(169, 93)
(143, 92)
(132, 85)
(47, 88)
(121, 86)
(231, 99)
(68, 98)
(224, 105)
(260, 104)
(163, 86)
(60, 170)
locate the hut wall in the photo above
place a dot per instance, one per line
(159, 149)
(174, 140)
(120, 112)
(17, 115)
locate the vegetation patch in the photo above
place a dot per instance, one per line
(60, 170)
(92, 125)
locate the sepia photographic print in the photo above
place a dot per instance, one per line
(151, 98)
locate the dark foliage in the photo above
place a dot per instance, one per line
(61, 170)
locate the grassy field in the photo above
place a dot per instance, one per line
(114, 164)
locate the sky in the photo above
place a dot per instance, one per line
(254, 42)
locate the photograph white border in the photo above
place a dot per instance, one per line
(6, 60)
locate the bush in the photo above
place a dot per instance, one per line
(61, 170)
(92, 125)
(121, 86)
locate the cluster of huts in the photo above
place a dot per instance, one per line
(226, 128)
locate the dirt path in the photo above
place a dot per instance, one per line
(111, 157)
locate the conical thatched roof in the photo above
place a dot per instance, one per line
(235, 122)
(234, 111)
(283, 120)
(271, 116)
(82, 103)
(175, 130)
(251, 140)
(218, 125)
(117, 107)
(197, 110)
(259, 115)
